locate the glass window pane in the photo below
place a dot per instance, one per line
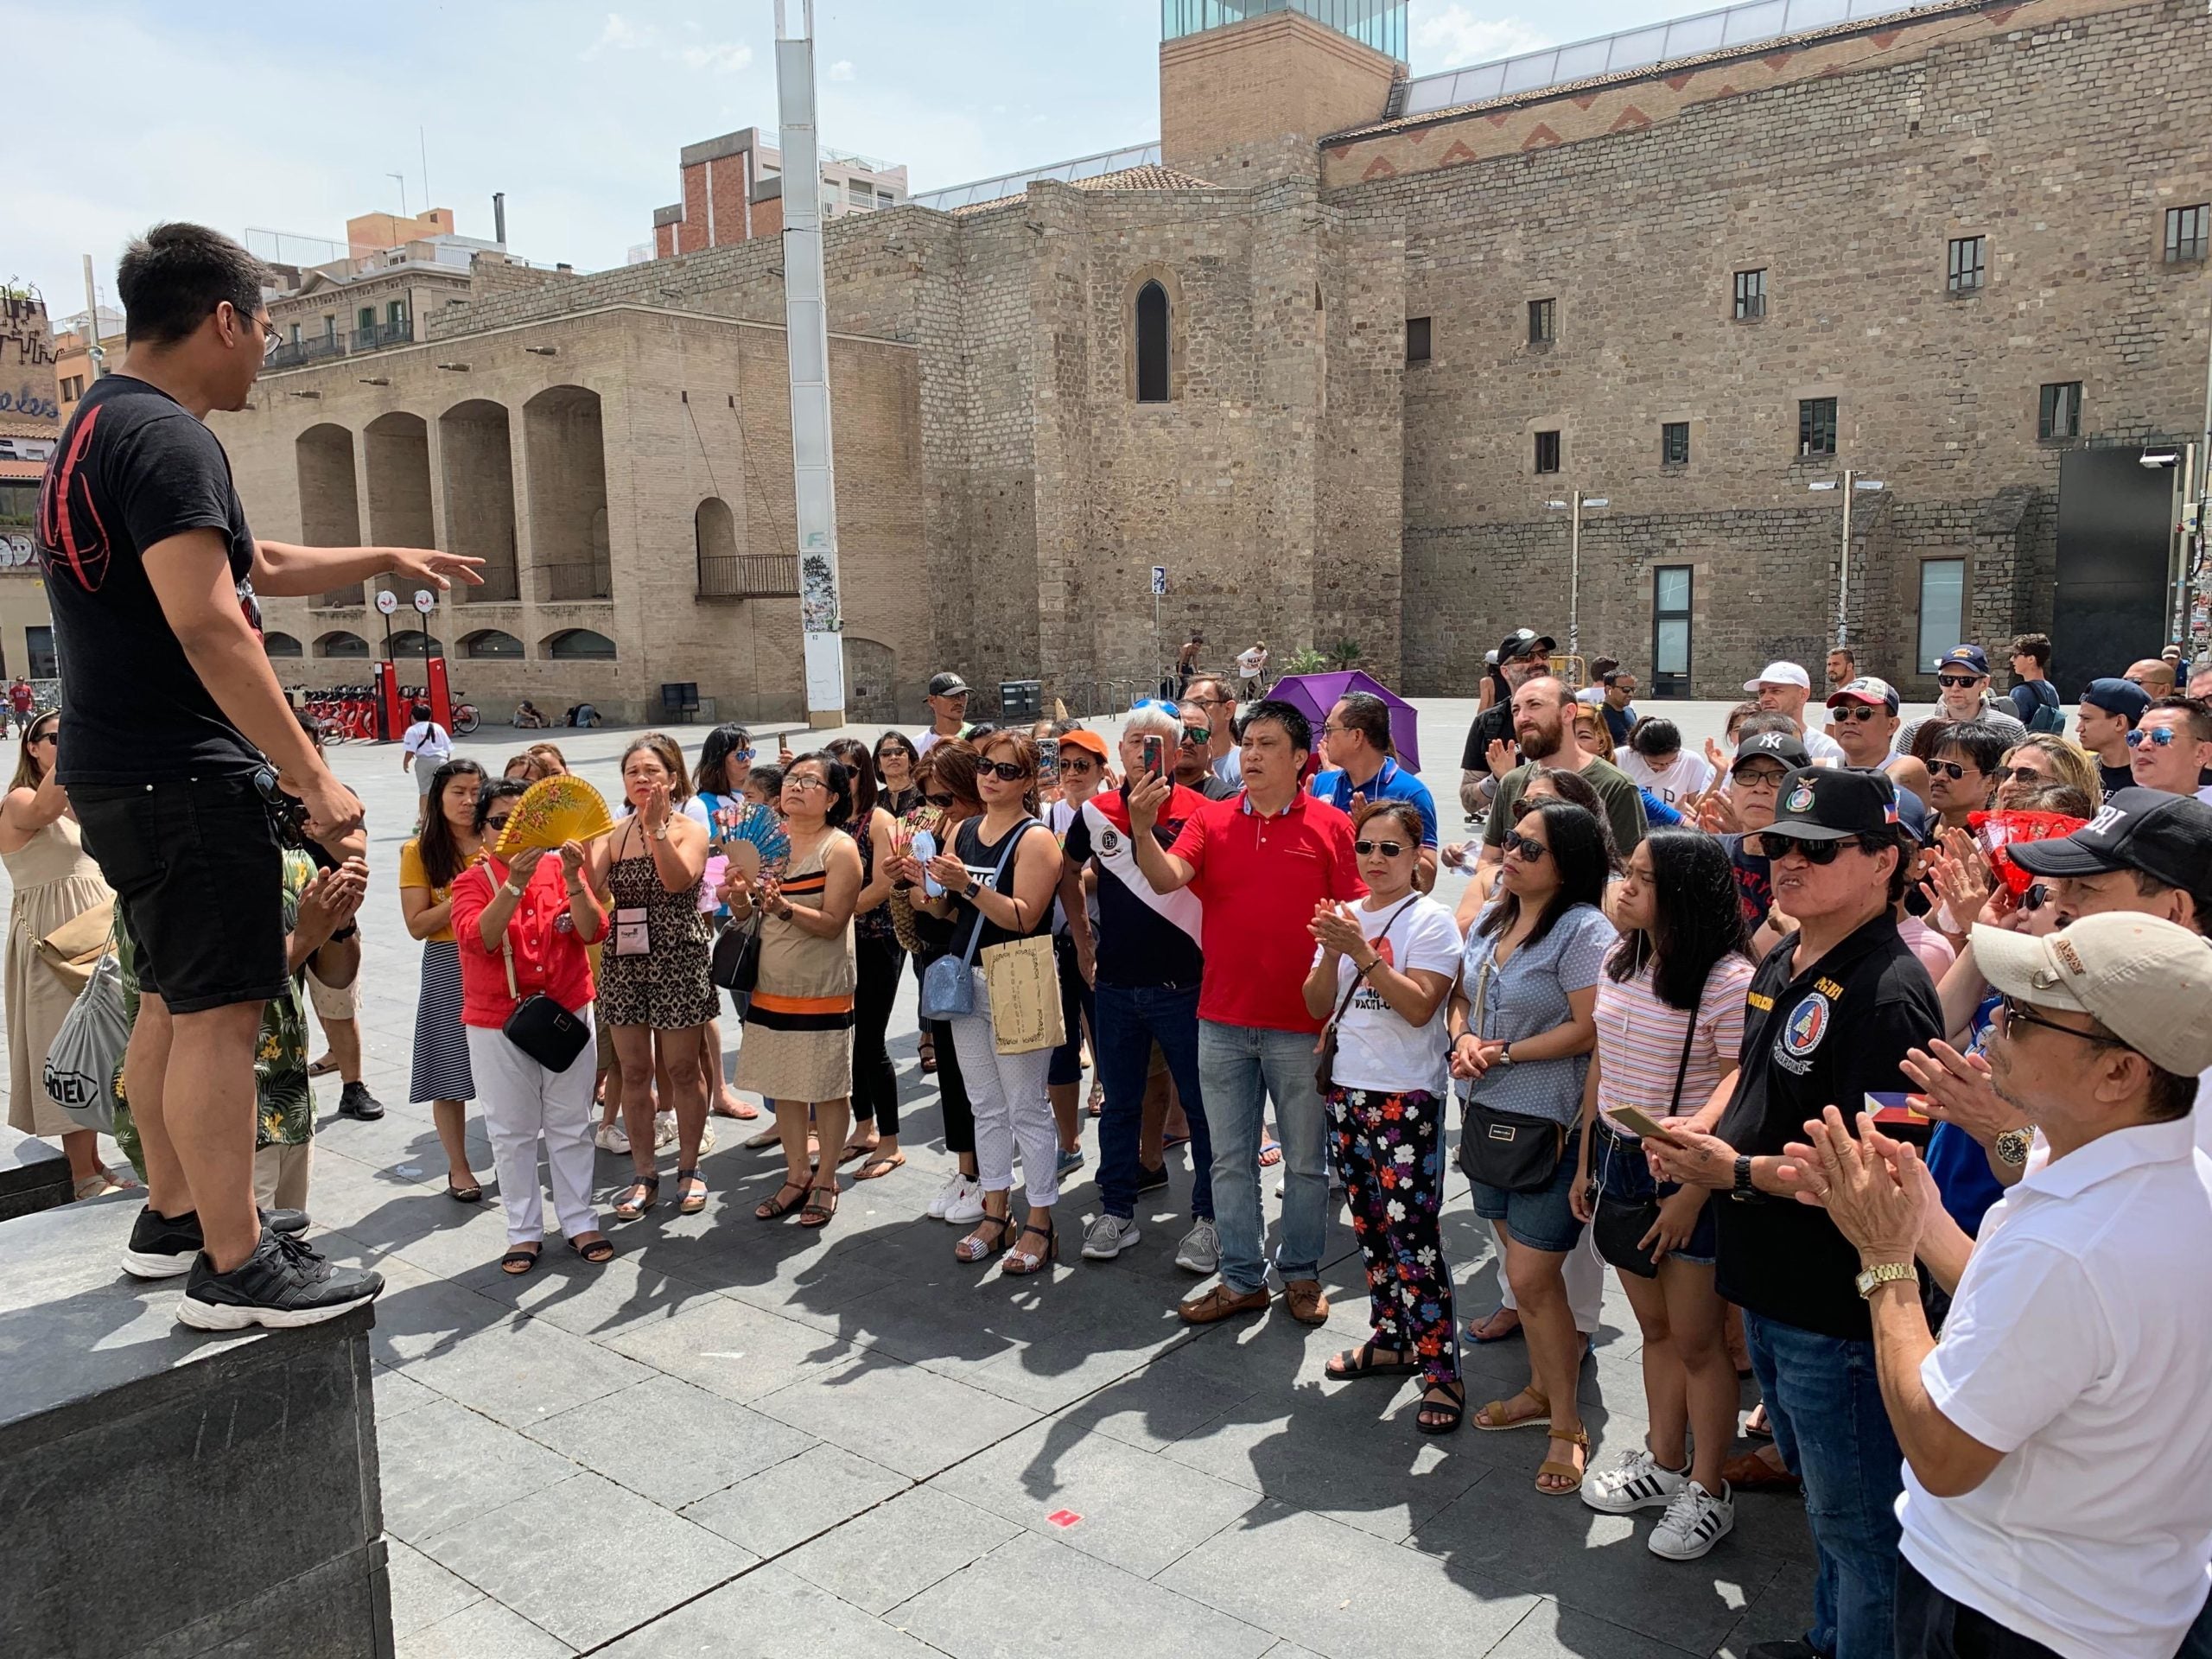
(1674, 588)
(1942, 614)
(1671, 652)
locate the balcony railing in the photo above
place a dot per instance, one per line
(292, 354)
(581, 579)
(748, 575)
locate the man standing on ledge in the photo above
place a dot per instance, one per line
(148, 563)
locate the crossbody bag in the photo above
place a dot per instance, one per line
(1513, 1151)
(1324, 1063)
(1618, 1230)
(539, 1027)
(948, 987)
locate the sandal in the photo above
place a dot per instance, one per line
(1475, 1331)
(646, 1187)
(463, 1194)
(1270, 1154)
(690, 1203)
(519, 1260)
(769, 1209)
(927, 1047)
(968, 1250)
(816, 1214)
(768, 1137)
(598, 1249)
(853, 1149)
(1442, 1406)
(323, 1067)
(1553, 1469)
(1496, 1410)
(876, 1168)
(1021, 1261)
(1361, 1362)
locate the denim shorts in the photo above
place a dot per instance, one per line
(1625, 1177)
(195, 866)
(1543, 1220)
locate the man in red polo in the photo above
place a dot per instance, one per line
(1260, 862)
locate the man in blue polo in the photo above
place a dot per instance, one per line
(1355, 742)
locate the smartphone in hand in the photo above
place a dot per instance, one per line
(1155, 755)
(1641, 1123)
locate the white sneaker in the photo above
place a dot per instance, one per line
(965, 1207)
(945, 1194)
(612, 1137)
(1636, 1480)
(663, 1130)
(1694, 1523)
(1200, 1250)
(707, 1138)
(1108, 1237)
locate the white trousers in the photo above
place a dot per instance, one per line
(523, 1102)
(1007, 1091)
(1584, 1272)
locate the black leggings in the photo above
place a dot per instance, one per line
(876, 1082)
(952, 1092)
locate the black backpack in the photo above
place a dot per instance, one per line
(2048, 715)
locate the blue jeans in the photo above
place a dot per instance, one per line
(1130, 1019)
(1241, 1066)
(1824, 1403)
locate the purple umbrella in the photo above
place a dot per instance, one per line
(1314, 695)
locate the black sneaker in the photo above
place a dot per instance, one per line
(282, 1283)
(354, 1100)
(163, 1246)
(1149, 1180)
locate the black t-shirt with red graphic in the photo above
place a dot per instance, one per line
(133, 468)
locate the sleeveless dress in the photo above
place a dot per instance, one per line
(798, 1030)
(666, 988)
(55, 881)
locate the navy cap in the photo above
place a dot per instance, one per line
(1973, 657)
(2121, 697)
(2168, 837)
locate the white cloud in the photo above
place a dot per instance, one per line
(620, 33)
(1453, 37)
(722, 57)
(841, 70)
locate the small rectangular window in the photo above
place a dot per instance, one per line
(2059, 413)
(38, 644)
(885, 199)
(1670, 631)
(1816, 426)
(1963, 271)
(396, 313)
(2189, 233)
(1417, 339)
(366, 320)
(1675, 444)
(1942, 608)
(1750, 295)
(1547, 452)
(1543, 320)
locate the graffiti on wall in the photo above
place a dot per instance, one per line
(28, 394)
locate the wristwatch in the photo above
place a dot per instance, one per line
(2012, 1146)
(1872, 1279)
(1505, 1055)
(352, 930)
(661, 833)
(511, 890)
(1742, 1188)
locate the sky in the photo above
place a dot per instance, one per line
(293, 119)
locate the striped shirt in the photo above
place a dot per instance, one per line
(1640, 1039)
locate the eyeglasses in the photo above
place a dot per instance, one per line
(2036, 896)
(2157, 737)
(1212, 702)
(1392, 848)
(939, 800)
(1958, 681)
(1812, 852)
(1758, 777)
(803, 780)
(2017, 1010)
(1529, 849)
(1202, 734)
(1006, 771)
(1951, 769)
(1857, 711)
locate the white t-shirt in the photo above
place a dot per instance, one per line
(1686, 775)
(1248, 662)
(1824, 750)
(427, 741)
(1376, 1048)
(2077, 1346)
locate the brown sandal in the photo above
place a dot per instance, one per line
(876, 1168)
(1553, 1469)
(769, 1209)
(1496, 1410)
(818, 1214)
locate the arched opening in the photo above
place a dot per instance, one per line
(397, 450)
(567, 495)
(341, 643)
(490, 642)
(330, 499)
(713, 540)
(1151, 325)
(413, 642)
(479, 474)
(283, 644)
(579, 645)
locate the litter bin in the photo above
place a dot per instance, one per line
(1021, 701)
(679, 701)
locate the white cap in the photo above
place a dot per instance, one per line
(1780, 674)
(2146, 980)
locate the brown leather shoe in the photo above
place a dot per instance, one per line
(1221, 1302)
(1308, 1304)
(1750, 1472)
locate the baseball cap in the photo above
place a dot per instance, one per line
(1524, 642)
(1780, 674)
(947, 685)
(1913, 814)
(2144, 979)
(1089, 741)
(1867, 689)
(2168, 837)
(2121, 697)
(1786, 746)
(1828, 803)
(1973, 657)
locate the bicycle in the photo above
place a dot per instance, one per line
(465, 720)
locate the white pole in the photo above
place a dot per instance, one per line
(1574, 579)
(1843, 571)
(92, 354)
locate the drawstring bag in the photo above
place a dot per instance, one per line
(948, 986)
(81, 1065)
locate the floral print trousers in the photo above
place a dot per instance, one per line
(1389, 1149)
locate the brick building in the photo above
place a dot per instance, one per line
(733, 191)
(1329, 351)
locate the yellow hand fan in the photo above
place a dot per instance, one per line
(552, 811)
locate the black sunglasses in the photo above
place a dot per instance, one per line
(939, 800)
(2034, 897)
(1812, 852)
(1528, 847)
(1951, 769)
(1085, 764)
(1197, 734)
(496, 820)
(1958, 683)
(1388, 848)
(1005, 770)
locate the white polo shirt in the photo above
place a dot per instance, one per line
(2078, 1345)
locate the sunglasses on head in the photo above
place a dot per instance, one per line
(1527, 846)
(1952, 769)
(2157, 737)
(1388, 848)
(1856, 711)
(1006, 771)
(1812, 852)
(1958, 682)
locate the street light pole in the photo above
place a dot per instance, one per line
(1574, 505)
(1852, 484)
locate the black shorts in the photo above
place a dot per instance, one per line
(195, 865)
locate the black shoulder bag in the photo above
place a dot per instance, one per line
(1513, 1151)
(1618, 1230)
(539, 1027)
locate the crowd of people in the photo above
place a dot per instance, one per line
(1870, 1054)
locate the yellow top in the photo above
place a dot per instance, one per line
(412, 874)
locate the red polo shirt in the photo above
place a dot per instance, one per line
(1259, 878)
(549, 956)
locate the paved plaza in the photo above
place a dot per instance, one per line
(741, 1437)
